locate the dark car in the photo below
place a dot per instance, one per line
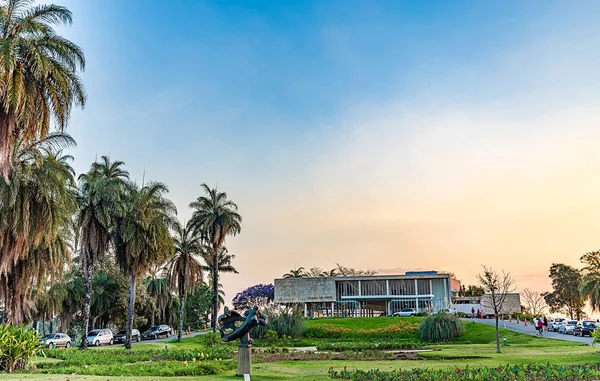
(157, 331)
(135, 336)
(584, 327)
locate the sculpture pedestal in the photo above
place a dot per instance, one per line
(244, 365)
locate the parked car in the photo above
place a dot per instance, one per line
(56, 340)
(554, 324)
(98, 337)
(157, 331)
(120, 336)
(406, 312)
(584, 327)
(567, 327)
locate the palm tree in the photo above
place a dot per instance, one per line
(158, 289)
(330, 273)
(35, 206)
(104, 296)
(225, 266)
(184, 269)
(74, 293)
(590, 280)
(100, 196)
(295, 273)
(142, 237)
(215, 217)
(38, 74)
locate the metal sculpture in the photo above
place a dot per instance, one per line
(230, 331)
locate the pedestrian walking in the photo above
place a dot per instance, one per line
(535, 321)
(540, 326)
(473, 314)
(545, 322)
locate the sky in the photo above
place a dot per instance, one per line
(390, 135)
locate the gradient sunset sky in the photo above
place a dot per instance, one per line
(391, 135)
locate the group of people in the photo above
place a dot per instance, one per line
(480, 314)
(540, 324)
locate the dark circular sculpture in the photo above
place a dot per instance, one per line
(229, 332)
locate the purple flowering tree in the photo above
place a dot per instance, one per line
(260, 295)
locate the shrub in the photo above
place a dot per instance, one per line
(548, 372)
(440, 327)
(288, 324)
(18, 345)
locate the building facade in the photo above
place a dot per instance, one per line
(376, 295)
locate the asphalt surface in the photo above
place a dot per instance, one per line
(530, 330)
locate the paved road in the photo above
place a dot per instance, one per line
(529, 330)
(165, 338)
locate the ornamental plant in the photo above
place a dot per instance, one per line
(261, 295)
(529, 372)
(440, 327)
(18, 345)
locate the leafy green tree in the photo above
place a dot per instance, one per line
(184, 269)
(35, 207)
(100, 200)
(215, 217)
(38, 75)
(142, 237)
(471, 290)
(589, 286)
(565, 296)
(198, 306)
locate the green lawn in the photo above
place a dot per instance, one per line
(476, 349)
(362, 323)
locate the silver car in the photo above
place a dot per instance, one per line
(554, 324)
(54, 340)
(98, 337)
(567, 327)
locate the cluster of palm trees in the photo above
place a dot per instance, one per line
(134, 223)
(339, 270)
(47, 215)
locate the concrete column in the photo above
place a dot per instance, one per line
(359, 289)
(446, 294)
(332, 309)
(387, 287)
(305, 310)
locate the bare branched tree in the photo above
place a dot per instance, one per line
(314, 272)
(497, 286)
(534, 300)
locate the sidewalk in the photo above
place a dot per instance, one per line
(530, 330)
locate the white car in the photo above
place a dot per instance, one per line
(98, 337)
(567, 327)
(554, 324)
(406, 312)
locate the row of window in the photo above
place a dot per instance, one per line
(379, 287)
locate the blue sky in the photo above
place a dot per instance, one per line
(345, 127)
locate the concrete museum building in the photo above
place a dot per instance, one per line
(373, 295)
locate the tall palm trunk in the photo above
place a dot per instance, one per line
(215, 287)
(152, 320)
(87, 300)
(130, 310)
(181, 304)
